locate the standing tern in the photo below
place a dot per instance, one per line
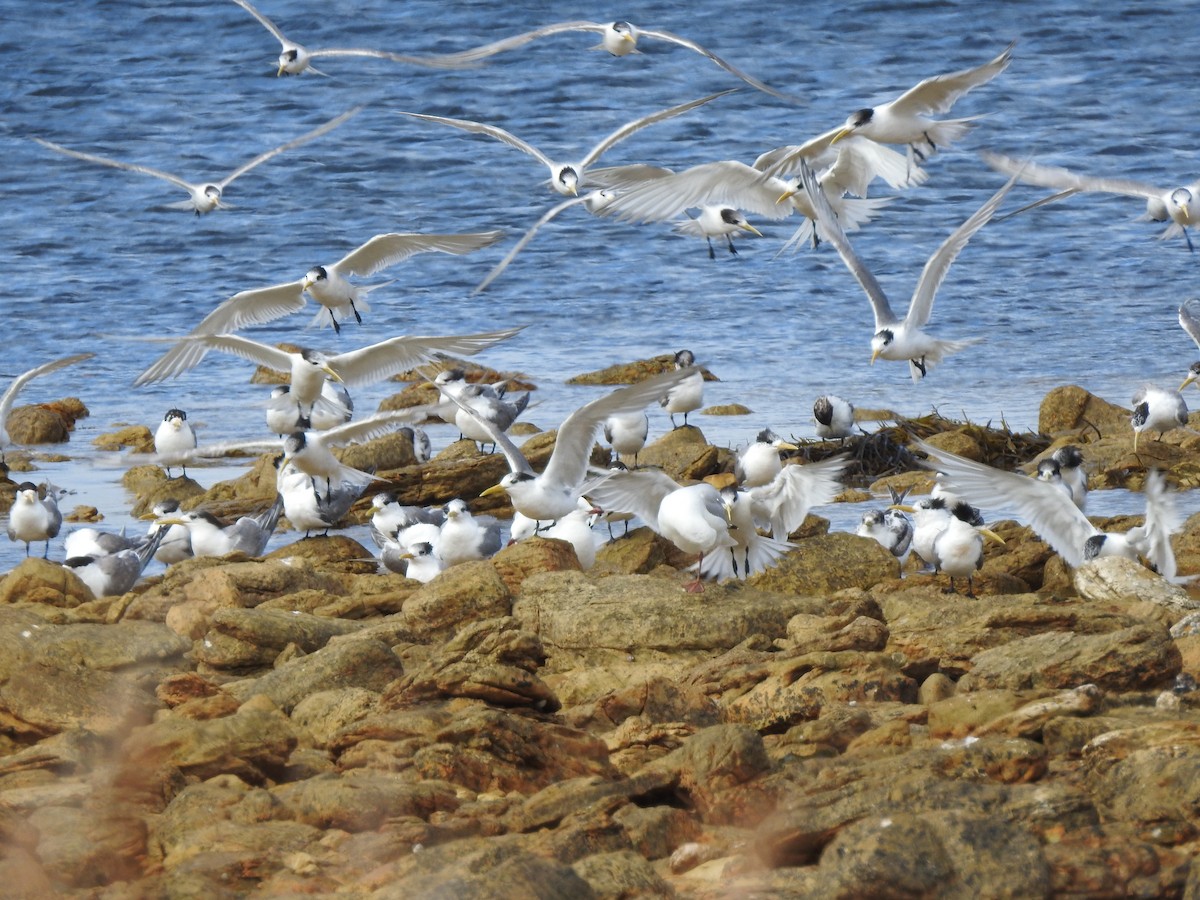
(306, 508)
(173, 438)
(475, 403)
(114, 574)
(328, 285)
(834, 417)
(617, 38)
(295, 58)
(1155, 409)
(464, 537)
(568, 177)
(687, 394)
(10, 394)
(309, 370)
(758, 462)
(1058, 521)
(627, 433)
(556, 491)
(751, 552)
(897, 338)
(906, 120)
(1064, 469)
(204, 196)
(1178, 205)
(34, 516)
(212, 537)
(1189, 321)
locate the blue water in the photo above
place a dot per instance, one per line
(1080, 292)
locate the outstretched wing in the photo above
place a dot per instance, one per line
(376, 362)
(18, 384)
(733, 70)
(117, 164)
(491, 131)
(303, 139)
(638, 124)
(936, 95)
(385, 250)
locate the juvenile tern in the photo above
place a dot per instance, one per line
(1064, 469)
(295, 58)
(464, 537)
(204, 196)
(10, 394)
(891, 528)
(906, 120)
(758, 462)
(1178, 205)
(34, 516)
(212, 537)
(328, 285)
(390, 517)
(695, 518)
(417, 560)
(568, 177)
(173, 438)
(593, 201)
(834, 417)
(897, 338)
(627, 433)
(617, 38)
(114, 574)
(1155, 409)
(686, 394)
(556, 491)
(1058, 521)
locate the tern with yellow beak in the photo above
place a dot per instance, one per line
(896, 338)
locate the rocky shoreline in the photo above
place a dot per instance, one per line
(302, 725)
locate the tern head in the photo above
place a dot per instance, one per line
(1192, 375)
(566, 180)
(1049, 470)
(880, 342)
(1071, 457)
(1094, 546)
(854, 121)
(626, 30)
(27, 491)
(508, 482)
(871, 519)
(294, 444)
(1182, 198)
(823, 411)
(733, 217)
(176, 416)
(456, 508)
(684, 358)
(287, 61)
(313, 275)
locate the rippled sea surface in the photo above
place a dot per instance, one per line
(1077, 292)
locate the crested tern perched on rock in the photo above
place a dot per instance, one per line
(203, 196)
(568, 177)
(896, 338)
(113, 574)
(687, 394)
(173, 438)
(1156, 409)
(34, 516)
(212, 537)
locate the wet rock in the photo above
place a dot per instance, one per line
(135, 438)
(45, 423)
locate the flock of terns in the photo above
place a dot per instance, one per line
(735, 528)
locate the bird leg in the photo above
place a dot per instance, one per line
(673, 425)
(1187, 237)
(711, 253)
(970, 588)
(732, 249)
(951, 589)
(46, 552)
(697, 586)
(337, 329)
(354, 309)
(920, 365)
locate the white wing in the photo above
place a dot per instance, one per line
(637, 124)
(303, 139)
(786, 500)
(938, 94)
(466, 58)
(525, 239)
(834, 235)
(385, 250)
(241, 310)
(1061, 179)
(491, 131)
(728, 67)
(639, 492)
(939, 263)
(18, 384)
(1189, 319)
(579, 431)
(117, 164)
(1045, 507)
(1162, 520)
(384, 359)
(264, 21)
(727, 183)
(369, 428)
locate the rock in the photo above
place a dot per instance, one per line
(458, 596)
(622, 873)
(351, 662)
(1071, 408)
(1116, 578)
(44, 423)
(36, 580)
(828, 563)
(241, 639)
(710, 769)
(326, 712)
(638, 553)
(361, 800)
(1136, 658)
(631, 373)
(682, 453)
(518, 561)
(137, 438)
